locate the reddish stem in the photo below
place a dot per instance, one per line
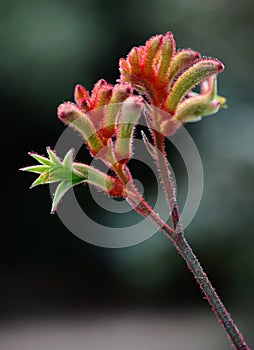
(166, 179)
(180, 243)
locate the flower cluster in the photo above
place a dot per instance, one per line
(166, 78)
(154, 78)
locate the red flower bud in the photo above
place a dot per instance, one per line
(119, 94)
(71, 115)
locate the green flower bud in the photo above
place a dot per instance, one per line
(189, 79)
(167, 50)
(129, 115)
(71, 115)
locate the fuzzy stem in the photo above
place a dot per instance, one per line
(212, 297)
(167, 181)
(195, 267)
(186, 252)
(137, 201)
(177, 237)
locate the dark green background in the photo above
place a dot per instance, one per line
(48, 47)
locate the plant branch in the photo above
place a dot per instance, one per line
(181, 244)
(195, 267)
(167, 180)
(212, 297)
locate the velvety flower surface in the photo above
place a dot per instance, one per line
(166, 77)
(155, 79)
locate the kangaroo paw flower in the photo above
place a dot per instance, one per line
(189, 79)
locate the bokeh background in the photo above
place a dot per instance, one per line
(58, 292)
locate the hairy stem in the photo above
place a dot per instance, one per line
(195, 267)
(212, 297)
(186, 252)
(167, 180)
(137, 201)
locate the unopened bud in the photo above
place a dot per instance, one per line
(151, 49)
(167, 50)
(207, 103)
(80, 94)
(103, 96)
(71, 115)
(135, 60)
(119, 94)
(129, 115)
(189, 79)
(182, 60)
(125, 69)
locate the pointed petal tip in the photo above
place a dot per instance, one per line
(217, 63)
(196, 55)
(221, 67)
(169, 33)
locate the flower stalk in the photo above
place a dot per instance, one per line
(176, 235)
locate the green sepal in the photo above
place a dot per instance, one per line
(40, 159)
(41, 180)
(37, 169)
(53, 158)
(68, 159)
(61, 189)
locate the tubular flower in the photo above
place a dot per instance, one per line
(163, 79)
(95, 117)
(166, 78)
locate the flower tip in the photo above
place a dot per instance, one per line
(61, 111)
(220, 67)
(80, 93)
(79, 89)
(67, 112)
(101, 82)
(196, 55)
(169, 34)
(223, 102)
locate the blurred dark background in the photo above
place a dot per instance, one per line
(46, 271)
